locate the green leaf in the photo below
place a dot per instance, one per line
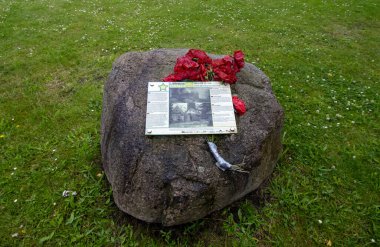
(46, 238)
(71, 219)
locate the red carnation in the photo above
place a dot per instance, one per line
(198, 56)
(224, 69)
(238, 105)
(239, 59)
(174, 77)
(185, 63)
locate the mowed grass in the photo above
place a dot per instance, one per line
(323, 60)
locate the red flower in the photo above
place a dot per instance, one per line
(239, 59)
(198, 56)
(185, 63)
(197, 66)
(239, 105)
(224, 69)
(175, 77)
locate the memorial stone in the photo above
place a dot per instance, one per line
(174, 179)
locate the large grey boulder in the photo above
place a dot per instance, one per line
(174, 179)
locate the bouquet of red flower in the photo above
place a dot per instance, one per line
(198, 66)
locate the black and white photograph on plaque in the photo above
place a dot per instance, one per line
(189, 108)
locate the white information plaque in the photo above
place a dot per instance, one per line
(189, 108)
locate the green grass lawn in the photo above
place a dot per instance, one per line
(322, 57)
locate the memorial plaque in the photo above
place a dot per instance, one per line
(186, 108)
